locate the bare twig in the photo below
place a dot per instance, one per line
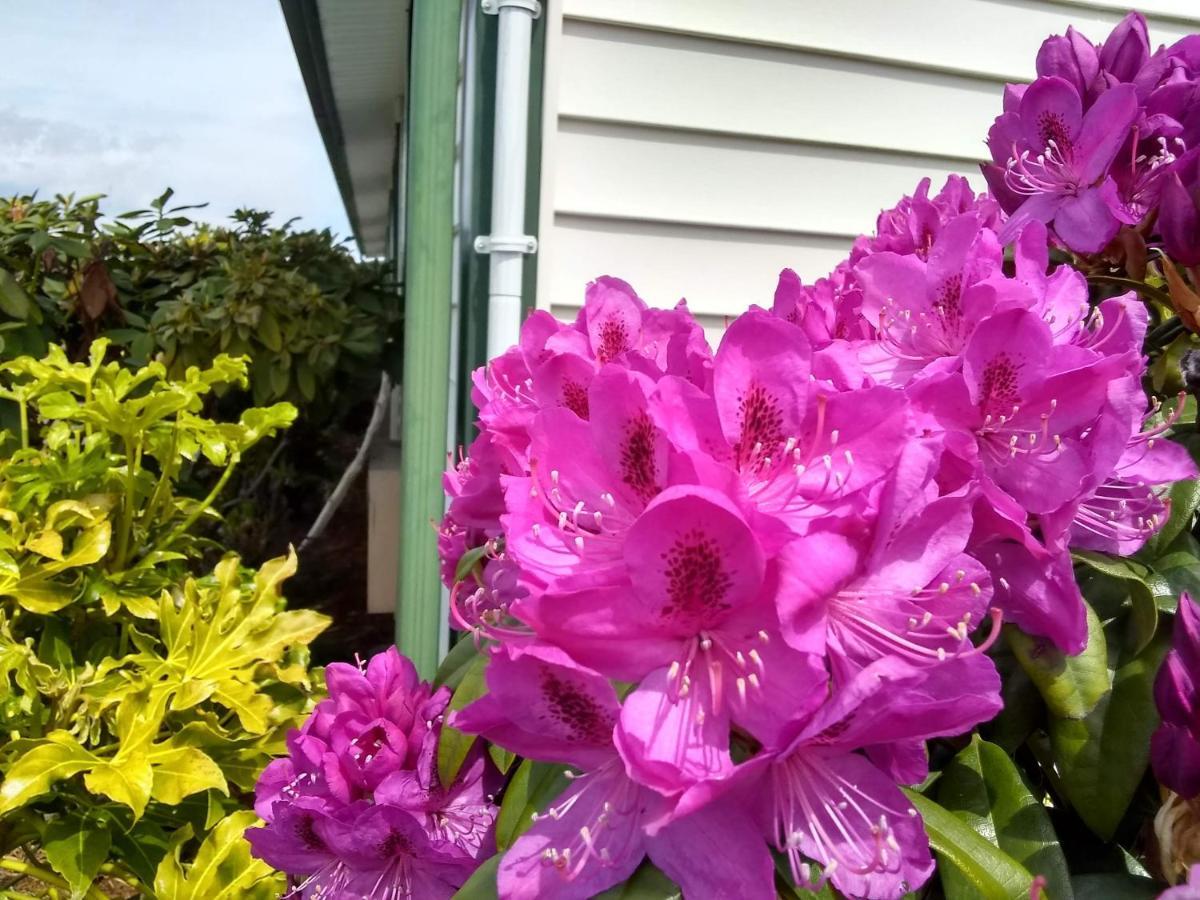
(352, 471)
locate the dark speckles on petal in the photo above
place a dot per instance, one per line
(697, 580)
(638, 469)
(576, 710)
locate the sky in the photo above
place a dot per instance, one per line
(128, 98)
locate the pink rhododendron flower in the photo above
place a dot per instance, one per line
(1189, 891)
(1092, 143)
(817, 797)
(543, 705)
(356, 809)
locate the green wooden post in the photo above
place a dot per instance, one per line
(433, 85)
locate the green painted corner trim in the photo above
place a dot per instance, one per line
(433, 86)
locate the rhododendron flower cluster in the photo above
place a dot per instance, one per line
(1105, 136)
(788, 551)
(356, 810)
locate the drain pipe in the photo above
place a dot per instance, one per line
(508, 243)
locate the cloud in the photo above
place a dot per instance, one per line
(128, 99)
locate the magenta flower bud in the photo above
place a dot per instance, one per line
(1072, 57)
(1175, 749)
(1179, 212)
(1127, 48)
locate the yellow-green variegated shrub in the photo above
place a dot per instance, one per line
(142, 690)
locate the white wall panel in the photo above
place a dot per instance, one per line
(676, 81)
(988, 37)
(656, 175)
(716, 269)
(695, 147)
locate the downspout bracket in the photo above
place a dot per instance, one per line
(525, 243)
(493, 7)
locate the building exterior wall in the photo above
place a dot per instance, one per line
(696, 148)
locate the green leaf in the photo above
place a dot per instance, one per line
(789, 891)
(453, 746)
(1023, 709)
(141, 847)
(1185, 500)
(1180, 569)
(1101, 758)
(1070, 685)
(71, 247)
(223, 868)
(646, 883)
(1113, 886)
(268, 332)
(468, 561)
(501, 757)
(990, 871)
(530, 790)
(482, 884)
(1122, 568)
(455, 663)
(983, 787)
(306, 381)
(34, 772)
(76, 847)
(182, 771)
(128, 781)
(14, 302)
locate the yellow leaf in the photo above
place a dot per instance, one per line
(129, 782)
(182, 771)
(91, 545)
(61, 756)
(223, 869)
(46, 543)
(38, 594)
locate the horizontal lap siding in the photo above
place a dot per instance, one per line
(695, 148)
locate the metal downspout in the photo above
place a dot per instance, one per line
(508, 242)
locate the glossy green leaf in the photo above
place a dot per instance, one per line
(1101, 758)
(141, 847)
(14, 301)
(986, 868)
(503, 759)
(453, 746)
(646, 883)
(1124, 569)
(1180, 569)
(268, 331)
(482, 883)
(455, 663)
(786, 890)
(1114, 886)
(469, 560)
(1070, 685)
(530, 790)
(76, 848)
(983, 787)
(1023, 708)
(1185, 500)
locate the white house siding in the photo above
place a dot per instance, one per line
(696, 147)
